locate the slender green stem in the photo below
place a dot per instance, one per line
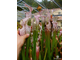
(40, 56)
(53, 42)
(43, 37)
(27, 48)
(23, 53)
(56, 50)
(45, 54)
(47, 36)
(49, 47)
(60, 38)
(35, 34)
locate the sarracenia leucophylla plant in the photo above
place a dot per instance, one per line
(42, 44)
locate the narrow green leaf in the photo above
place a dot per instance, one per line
(23, 53)
(45, 54)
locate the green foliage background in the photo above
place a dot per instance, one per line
(46, 3)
